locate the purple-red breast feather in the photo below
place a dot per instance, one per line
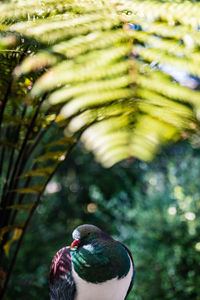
(61, 282)
(61, 264)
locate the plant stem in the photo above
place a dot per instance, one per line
(11, 157)
(3, 106)
(2, 293)
(19, 166)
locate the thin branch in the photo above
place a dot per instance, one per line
(30, 151)
(2, 160)
(15, 173)
(4, 102)
(33, 168)
(12, 156)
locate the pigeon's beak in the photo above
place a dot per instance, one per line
(75, 243)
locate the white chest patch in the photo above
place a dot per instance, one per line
(114, 289)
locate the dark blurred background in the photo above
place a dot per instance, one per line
(153, 208)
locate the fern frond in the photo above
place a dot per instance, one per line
(96, 57)
(172, 12)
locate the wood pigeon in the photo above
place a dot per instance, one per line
(94, 267)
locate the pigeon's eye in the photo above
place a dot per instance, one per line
(89, 233)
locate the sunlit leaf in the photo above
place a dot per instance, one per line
(16, 235)
(36, 63)
(64, 141)
(22, 207)
(9, 228)
(31, 190)
(90, 100)
(38, 172)
(54, 155)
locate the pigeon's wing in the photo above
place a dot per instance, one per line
(133, 275)
(61, 282)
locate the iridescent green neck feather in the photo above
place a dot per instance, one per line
(98, 258)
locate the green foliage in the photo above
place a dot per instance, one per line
(25, 133)
(153, 208)
(162, 225)
(103, 72)
(108, 55)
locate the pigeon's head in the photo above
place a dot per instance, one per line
(84, 234)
